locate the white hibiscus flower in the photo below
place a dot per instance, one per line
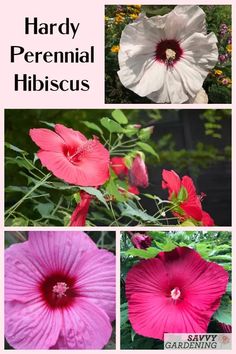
(167, 58)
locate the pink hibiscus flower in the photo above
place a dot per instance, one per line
(119, 167)
(184, 193)
(176, 292)
(70, 156)
(59, 292)
(78, 217)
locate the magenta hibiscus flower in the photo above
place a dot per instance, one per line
(69, 155)
(59, 292)
(176, 292)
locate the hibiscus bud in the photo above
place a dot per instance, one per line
(145, 133)
(138, 175)
(141, 241)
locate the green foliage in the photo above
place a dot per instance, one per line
(213, 246)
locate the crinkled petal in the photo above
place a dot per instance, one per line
(184, 81)
(70, 136)
(96, 280)
(22, 274)
(185, 20)
(32, 325)
(201, 51)
(85, 326)
(60, 251)
(207, 219)
(47, 140)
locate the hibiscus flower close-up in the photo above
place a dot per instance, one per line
(175, 292)
(70, 156)
(59, 292)
(167, 58)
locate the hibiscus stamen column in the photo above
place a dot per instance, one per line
(60, 289)
(175, 293)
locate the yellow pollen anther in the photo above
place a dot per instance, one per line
(170, 54)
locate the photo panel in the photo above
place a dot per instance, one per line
(168, 53)
(118, 168)
(175, 289)
(60, 290)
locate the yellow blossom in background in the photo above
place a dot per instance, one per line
(115, 48)
(229, 48)
(138, 7)
(119, 18)
(133, 16)
(106, 18)
(218, 72)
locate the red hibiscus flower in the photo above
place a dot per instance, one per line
(184, 193)
(176, 292)
(78, 218)
(69, 155)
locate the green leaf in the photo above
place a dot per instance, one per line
(150, 252)
(111, 125)
(15, 148)
(93, 126)
(113, 190)
(44, 209)
(20, 222)
(145, 133)
(183, 194)
(130, 130)
(188, 222)
(123, 313)
(223, 314)
(148, 148)
(119, 116)
(96, 193)
(135, 213)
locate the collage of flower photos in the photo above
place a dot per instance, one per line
(118, 220)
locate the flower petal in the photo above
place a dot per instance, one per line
(93, 170)
(31, 325)
(185, 20)
(201, 50)
(184, 81)
(96, 280)
(22, 274)
(69, 135)
(59, 251)
(47, 140)
(85, 326)
(171, 181)
(78, 217)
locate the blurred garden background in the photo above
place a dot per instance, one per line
(218, 83)
(196, 143)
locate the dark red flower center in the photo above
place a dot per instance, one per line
(58, 290)
(168, 51)
(76, 153)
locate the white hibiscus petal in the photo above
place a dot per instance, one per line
(152, 79)
(183, 21)
(201, 50)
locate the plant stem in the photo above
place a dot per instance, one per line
(11, 210)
